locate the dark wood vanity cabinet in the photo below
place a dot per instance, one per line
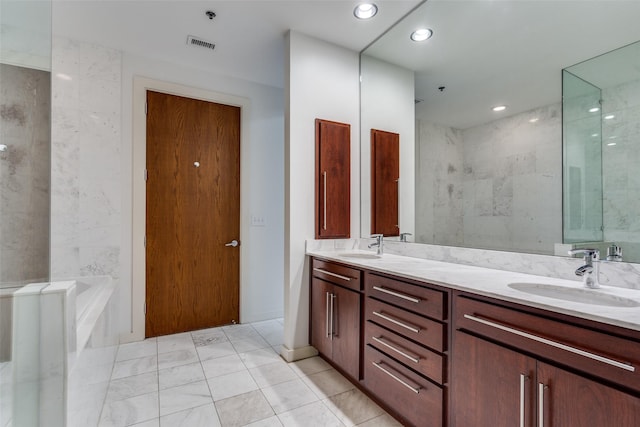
(405, 344)
(335, 315)
(333, 180)
(513, 368)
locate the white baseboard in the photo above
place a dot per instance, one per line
(291, 355)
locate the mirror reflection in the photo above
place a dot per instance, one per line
(482, 177)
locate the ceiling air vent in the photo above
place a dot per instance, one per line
(194, 41)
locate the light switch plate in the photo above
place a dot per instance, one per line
(258, 221)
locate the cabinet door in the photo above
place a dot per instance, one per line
(333, 174)
(321, 292)
(491, 386)
(385, 181)
(346, 331)
(570, 400)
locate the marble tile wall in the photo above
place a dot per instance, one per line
(620, 164)
(24, 174)
(439, 187)
(496, 186)
(86, 170)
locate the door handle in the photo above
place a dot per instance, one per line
(232, 243)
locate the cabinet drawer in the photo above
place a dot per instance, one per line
(408, 394)
(409, 325)
(596, 353)
(427, 302)
(338, 274)
(407, 352)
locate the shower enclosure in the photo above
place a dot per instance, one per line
(601, 141)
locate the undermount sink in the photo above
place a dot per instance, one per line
(361, 255)
(584, 296)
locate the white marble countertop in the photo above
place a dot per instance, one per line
(494, 283)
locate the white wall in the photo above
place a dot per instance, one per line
(262, 169)
(321, 81)
(92, 164)
(387, 99)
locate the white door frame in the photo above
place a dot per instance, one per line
(138, 279)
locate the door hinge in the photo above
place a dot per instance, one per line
(145, 241)
(145, 308)
(146, 108)
(146, 175)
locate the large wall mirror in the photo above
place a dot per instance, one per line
(476, 177)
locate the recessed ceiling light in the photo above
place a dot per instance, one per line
(613, 137)
(535, 119)
(594, 135)
(63, 76)
(594, 110)
(611, 144)
(609, 117)
(499, 108)
(421, 34)
(365, 11)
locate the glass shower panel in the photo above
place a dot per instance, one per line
(25, 159)
(582, 160)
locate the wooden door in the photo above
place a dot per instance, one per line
(486, 388)
(571, 400)
(193, 210)
(346, 330)
(333, 180)
(321, 292)
(385, 181)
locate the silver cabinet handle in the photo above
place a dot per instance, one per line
(339, 276)
(233, 243)
(332, 297)
(416, 390)
(326, 325)
(621, 365)
(324, 193)
(397, 322)
(541, 388)
(523, 380)
(414, 359)
(397, 294)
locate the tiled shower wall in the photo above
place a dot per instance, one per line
(494, 186)
(24, 174)
(620, 162)
(86, 146)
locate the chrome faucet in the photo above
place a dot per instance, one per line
(379, 242)
(403, 236)
(590, 271)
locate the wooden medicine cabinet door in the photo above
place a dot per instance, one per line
(385, 182)
(333, 180)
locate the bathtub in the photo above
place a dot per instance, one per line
(63, 331)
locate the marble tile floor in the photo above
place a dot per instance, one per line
(230, 376)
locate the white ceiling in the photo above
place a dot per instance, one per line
(249, 34)
(511, 52)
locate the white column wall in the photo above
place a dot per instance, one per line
(321, 81)
(388, 103)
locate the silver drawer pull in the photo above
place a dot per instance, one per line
(397, 322)
(397, 294)
(541, 389)
(523, 381)
(414, 359)
(621, 365)
(416, 390)
(339, 276)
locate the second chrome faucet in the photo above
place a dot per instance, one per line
(378, 243)
(590, 271)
